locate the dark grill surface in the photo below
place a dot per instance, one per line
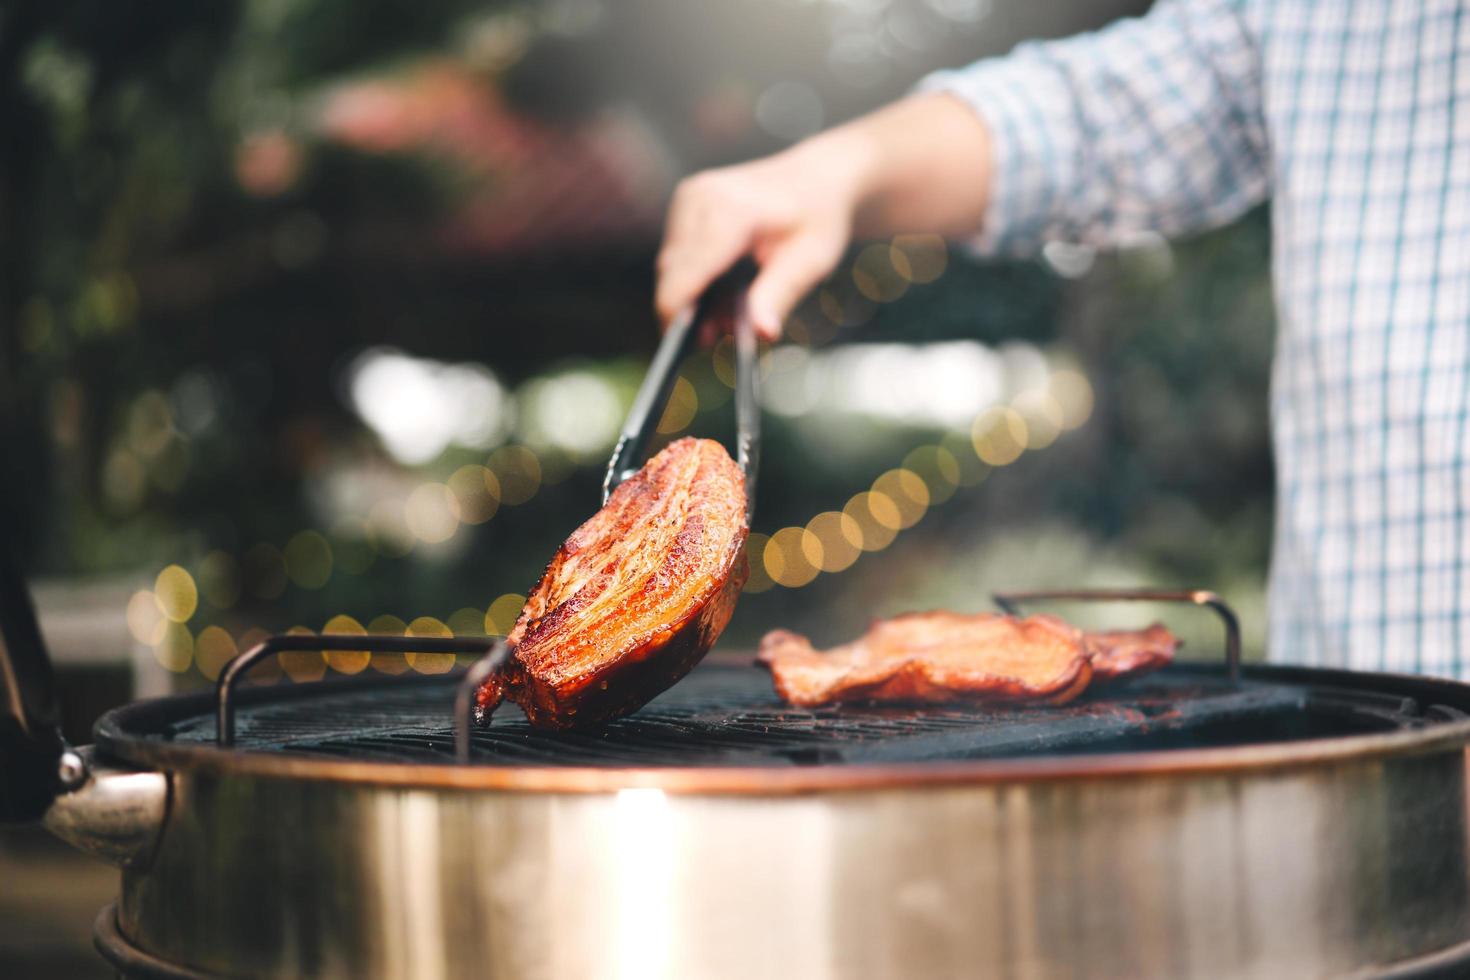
(726, 715)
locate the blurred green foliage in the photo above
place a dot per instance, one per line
(172, 363)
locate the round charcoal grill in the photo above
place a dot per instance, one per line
(1197, 822)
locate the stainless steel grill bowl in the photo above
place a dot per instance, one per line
(1199, 822)
(1301, 823)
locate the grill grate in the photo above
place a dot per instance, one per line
(727, 715)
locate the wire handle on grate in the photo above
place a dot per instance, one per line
(229, 678)
(1011, 602)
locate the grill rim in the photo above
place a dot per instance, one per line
(116, 740)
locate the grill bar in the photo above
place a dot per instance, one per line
(726, 714)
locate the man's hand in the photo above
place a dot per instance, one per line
(918, 165)
(791, 212)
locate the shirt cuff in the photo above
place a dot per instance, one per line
(1029, 110)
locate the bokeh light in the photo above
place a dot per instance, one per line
(681, 409)
(476, 493)
(885, 511)
(939, 470)
(420, 407)
(1043, 416)
(759, 580)
(195, 398)
(792, 388)
(468, 621)
(502, 614)
(793, 557)
(919, 259)
(907, 492)
(1069, 259)
(123, 481)
(150, 425)
(840, 537)
(944, 384)
(175, 649)
(999, 436)
(145, 619)
(876, 517)
(345, 661)
(302, 665)
(844, 305)
(875, 277)
(213, 648)
(267, 163)
(518, 472)
(177, 594)
(809, 327)
(1073, 393)
(961, 448)
(722, 361)
(388, 625)
(575, 411)
(430, 663)
(429, 513)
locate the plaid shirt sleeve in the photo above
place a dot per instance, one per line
(1153, 124)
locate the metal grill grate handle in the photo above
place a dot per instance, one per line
(230, 677)
(1011, 602)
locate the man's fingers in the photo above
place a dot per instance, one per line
(706, 231)
(787, 274)
(687, 265)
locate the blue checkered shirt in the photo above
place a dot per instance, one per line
(1354, 118)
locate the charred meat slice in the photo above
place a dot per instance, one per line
(935, 656)
(635, 597)
(1124, 653)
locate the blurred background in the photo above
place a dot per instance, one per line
(324, 315)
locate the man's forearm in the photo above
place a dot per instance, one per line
(918, 165)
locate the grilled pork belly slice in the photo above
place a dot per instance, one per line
(935, 657)
(1124, 653)
(635, 597)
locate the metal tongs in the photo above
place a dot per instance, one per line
(725, 297)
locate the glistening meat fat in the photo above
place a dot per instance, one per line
(935, 656)
(1124, 653)
(635, 597)
(943, 656)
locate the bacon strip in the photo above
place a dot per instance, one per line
(942, 656)
(935, 656)
(1125, 653)
(635, 597)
